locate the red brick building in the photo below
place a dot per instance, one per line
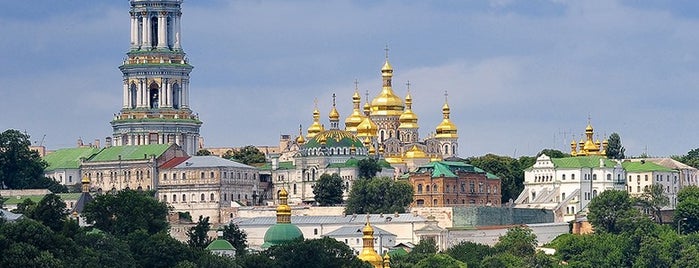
(448, 184)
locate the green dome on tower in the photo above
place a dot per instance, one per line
(283, 231)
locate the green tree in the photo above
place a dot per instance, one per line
(502, 260)
(687, 212)
(613, 211)
(203, 152)
(248, 155)
(51, 211)
(237, 237)
(691, 158)
(510, 171)
(20, 167)
(323, 252)
(518, 241)
(199, 234)
(328, 190)
(379, 195)
(553, 153)
(653, 199)
(368, 168)
(688, 192)
(159, 250)
(426, 246)
(440, 260)
(26, 207)
(126, 211)
(614, 148)
(103, 250)
(470, 253)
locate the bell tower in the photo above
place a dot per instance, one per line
(155, 106)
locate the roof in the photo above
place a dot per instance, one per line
(339, 219)
(9, 216)
(644, 166)
(68, 158)
(220, 244)
(173, 162)
(281, 233)
(449, 169)
(670, 163)
(14, 200)
(280, 165)
(130, 152)
(357, 231)
(334, 138)
(209, 161)
(83, 200)
(591, 161)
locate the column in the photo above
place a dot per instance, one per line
(139, 95)
(133, 35)
(125, 102)
(145, 22)
(185, 95)
(132, 139)
(162, 30)
(161, 138)
(161, 96)
(146, 138)
(176, 29)
(168, 96)
(177, 139)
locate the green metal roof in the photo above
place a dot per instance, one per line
(582, 162)
(68, 158)
(220, 244)
(335, 138)
(281, 233)
(644, 166)
(280, 165)
(449, 169)
(14, 200)
(130, 152)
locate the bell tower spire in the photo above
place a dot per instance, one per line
(155, 106)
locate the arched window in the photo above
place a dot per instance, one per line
(572, 176)
(176, 91)
(446, 149)
(419, 188)
(609, 177)
(154, 31)
(434, 188)
(133, 94)
(594, 177)
(427, 188)
(212, 197)
(202, 198)
(594, 193)
(174, 198)
(563, 177)
(153, 95)
(184, 198)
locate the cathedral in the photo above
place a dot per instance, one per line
(385, 128)
(155, 107)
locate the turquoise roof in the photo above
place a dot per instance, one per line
(576, 162)
(449, 169)
(644, 166)
(68, 158)
(130, 152)
(335, 138)
(281, 233)
(220, 244)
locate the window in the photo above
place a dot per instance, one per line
(646, 177)
(427, 188)
(594, 177)
(184, 176)
(174, 198)
(435, 188)
(638, 188)
(572, 176)
(594, 193)
(164, 198)
(212, 174)
(184, 198)
(201, 175)
(609, 177)
(211, 197)
(563, 196)
(174, 176)
(472, 187)
(563, 177)
(315, 231)
(202, 198)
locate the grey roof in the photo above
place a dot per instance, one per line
(353, 231)
(84, 198)
(339, 219)
(208, 161)
(9, 216)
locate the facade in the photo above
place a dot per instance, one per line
(128, 167)
(641, 174)
(446, 184)
(207, 185)
(64, 164)
(155, 107)
(352, 237)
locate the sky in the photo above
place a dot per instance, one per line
(521, 76)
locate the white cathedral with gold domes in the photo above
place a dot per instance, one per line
(386, 129)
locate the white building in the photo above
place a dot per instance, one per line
(641, 174)
(64, 164)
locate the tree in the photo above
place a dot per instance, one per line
(127, 211)
(26, 207)
(312, 253)
(653, 199)
(249, 155)
(20, 167)
(368, 168)
(613, 212)
(440, 260)
(687, 211)
(518, 241)
(614, 148)
(691, 158)
(426, 246)
(203, 152)
(502, 260)
(51, 211)
(328, 190)
(379, 195)
(198, 235)
(510, 171)
(470, 253)
(159, 250)
(237, 237)
(553, 153)
(687, 192)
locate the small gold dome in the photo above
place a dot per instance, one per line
(316, 127)
(408, 120)
(414, 153)
(283, 209)
(334, 115)
(446, 129)
(356, 117)
(85, 179)
(367, 128)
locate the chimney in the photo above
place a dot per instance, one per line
(80, 142)
(108, 142)
(97, 143)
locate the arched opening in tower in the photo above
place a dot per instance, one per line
(133, 96)
(176, 96)
(153, 95)
(154, 31)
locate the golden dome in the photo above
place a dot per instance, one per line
(394, 159)
(86, 180)
(408, 120)
(387, 103)
(283, 209)
(334, 115)
(414, 153)
(368, 253)
(367, 128)
(356, 117)
(446, 129)
(387, 68)
(316, 127)
(300, 139)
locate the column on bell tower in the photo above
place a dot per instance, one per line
(178, 33)
(125, 101)
(134, 31)
(162, 32)
(145, 30)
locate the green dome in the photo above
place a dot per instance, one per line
(281, 233)
(220, 244)
(336, 142)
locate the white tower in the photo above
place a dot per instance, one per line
(155, 107)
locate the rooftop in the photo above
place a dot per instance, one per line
(339, 219)
(209, 161)
(68, 158)
(130, 152)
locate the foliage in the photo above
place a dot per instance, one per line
(26, 207)
(323, 252)
(686, 215)
(553, 153)
(613, 212)
(127, 211)
(368, 168)
(238, 238)
(426, 246)
(379, 195)
(20, 167)
(687, 192)
(518, 241)
(51, 211)
(510, 171)
(198, 234)
(653, 199)
(328, 190)
(470, 253)
(614, 148)
(440, 260)
(203, 152)
(502, 260)
(691, 158)
(158, 250)
(248, 155)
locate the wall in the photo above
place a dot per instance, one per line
(489, 216)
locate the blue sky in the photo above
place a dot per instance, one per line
(521, 75)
